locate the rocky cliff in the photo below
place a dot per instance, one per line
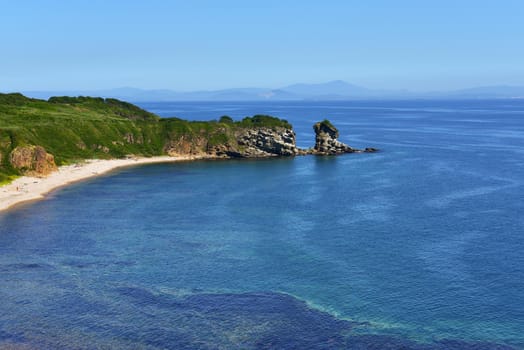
(261, 142)
(253, 142)
(326, 141)
(32, 160)
(266, 142)
(259, 136)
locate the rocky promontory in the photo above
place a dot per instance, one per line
(37, 136)
(280, 141)
(238, 142)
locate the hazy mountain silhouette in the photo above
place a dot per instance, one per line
(333, 90)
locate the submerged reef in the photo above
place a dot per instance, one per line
(261, 320)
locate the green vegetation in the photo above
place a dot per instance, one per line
(76, 128)
(226, 119)
(328, 124)
(6, 179)
(109, 105)
(265, 121)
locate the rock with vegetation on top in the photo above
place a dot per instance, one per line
(326, 141)
(260, 136)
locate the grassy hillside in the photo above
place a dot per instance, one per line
(76, 128)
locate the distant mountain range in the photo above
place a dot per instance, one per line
(333, 90)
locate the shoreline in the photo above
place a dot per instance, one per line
(29, 188)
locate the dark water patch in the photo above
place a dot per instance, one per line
(79, 264)
(462, 345)
(78, 305)
(380, 342)
(142, 296)
(24, 268)
(9, 337)
(237, 321)
(264, 320)
(84, 264)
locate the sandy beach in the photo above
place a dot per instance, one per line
(27, 188)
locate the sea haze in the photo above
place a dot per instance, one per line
(418, 246)
(336, 90)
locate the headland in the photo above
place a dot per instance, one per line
(48, 144)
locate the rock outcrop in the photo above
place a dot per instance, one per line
(32, 160)
(266, 142)
(186, 145)
(243, 142)
(263, 142)
(260, 142)
(326, 141)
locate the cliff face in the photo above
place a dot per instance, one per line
(32, 160)
(266, 142)
(261, 142)
(186, 145)
(253, 142)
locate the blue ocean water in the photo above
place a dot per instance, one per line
(419, 246)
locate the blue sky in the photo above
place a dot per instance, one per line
(197, 44)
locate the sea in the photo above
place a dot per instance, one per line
(417, 246)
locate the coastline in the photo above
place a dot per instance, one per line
(29, 188)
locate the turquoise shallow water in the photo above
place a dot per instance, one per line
(419, 246)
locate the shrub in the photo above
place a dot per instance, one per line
(226, 119)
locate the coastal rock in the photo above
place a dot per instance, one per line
(32, 160)
(223, 151)
(266, 142)
(186, 145)
(263, 142)
(326, 142)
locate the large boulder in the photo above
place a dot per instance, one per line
(32, 160)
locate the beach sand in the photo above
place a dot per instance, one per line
(27, 188)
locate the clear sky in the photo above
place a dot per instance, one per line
(198, 44)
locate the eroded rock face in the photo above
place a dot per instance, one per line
(32, 160)
(326, 142)
(258, 142)
(266, 142)
(186, 146)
